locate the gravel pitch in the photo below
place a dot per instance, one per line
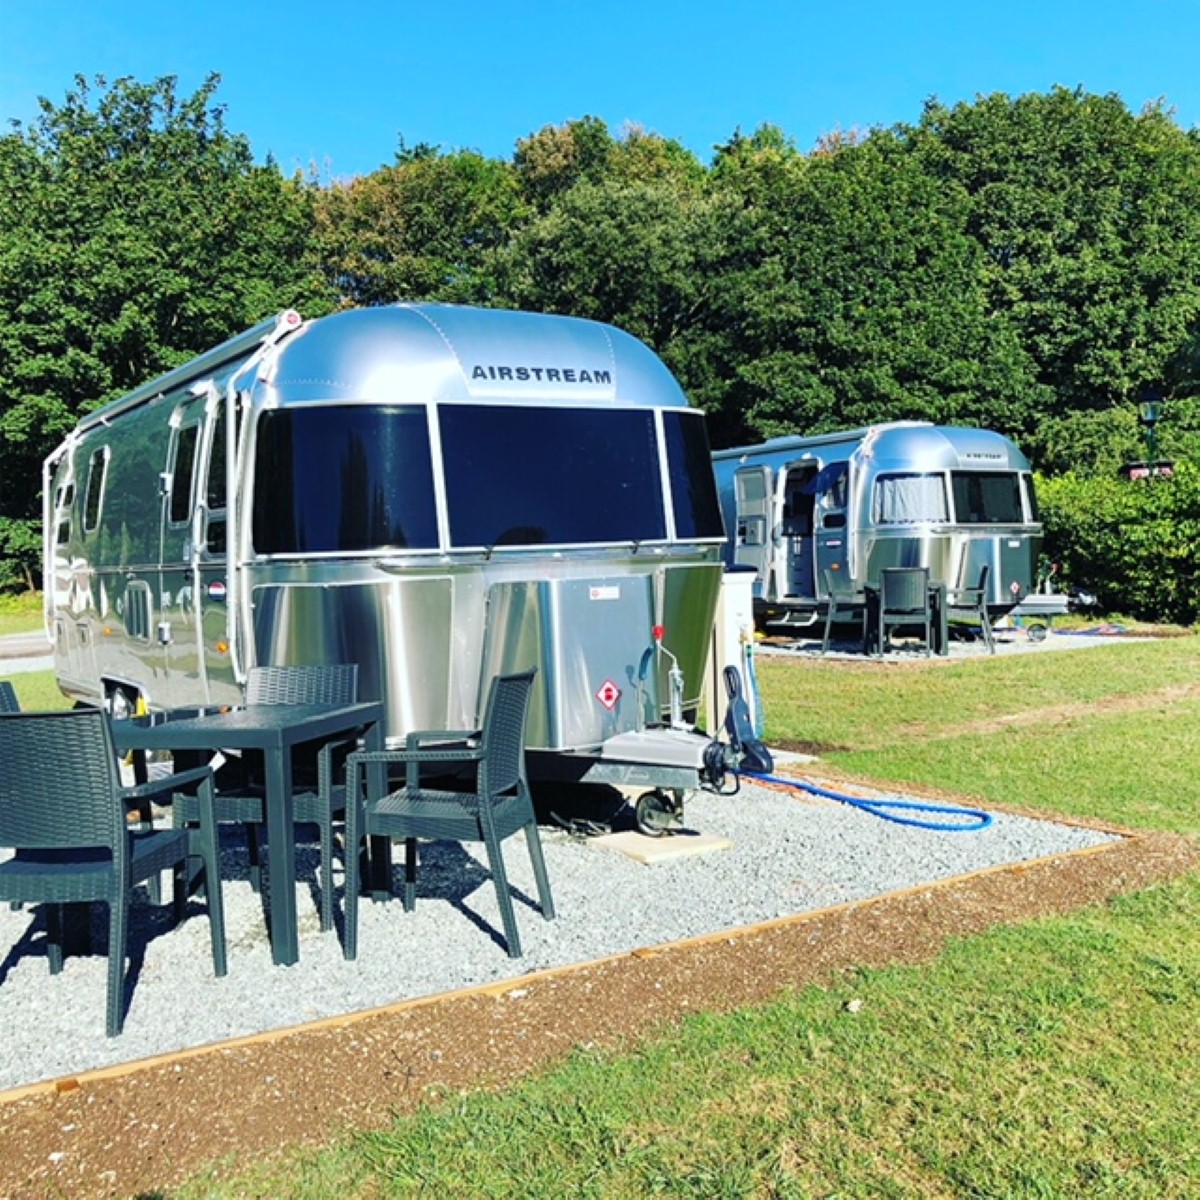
(790, 853)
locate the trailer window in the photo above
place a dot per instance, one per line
(693, 485)
(181, 473)
(97, 469)
(987, 497)
(909, 499)
(1031, 503)
(65, 499)
(557, 476)
(348, 477)
(214, 532)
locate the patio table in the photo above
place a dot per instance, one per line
(275, 730)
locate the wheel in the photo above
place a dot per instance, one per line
(657, 813)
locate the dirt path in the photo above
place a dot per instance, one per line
(1051, 715)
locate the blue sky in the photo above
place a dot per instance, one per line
(334, 85)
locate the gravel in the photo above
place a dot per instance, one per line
(789, 853)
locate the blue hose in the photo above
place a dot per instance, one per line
(882, 807)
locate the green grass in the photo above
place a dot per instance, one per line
(20, 614)
(1053, 1059)
(37, 691)
(1109, 731)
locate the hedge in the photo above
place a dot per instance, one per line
(1132, 543)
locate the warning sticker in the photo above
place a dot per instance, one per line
(609, 694)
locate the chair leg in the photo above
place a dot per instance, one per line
(828, 628)
(534, 842)
(118, 918)
(326, 826)
(215, 898)
(54, 937)
(254, 845)
(410, 874)
(353, 863)
(985, 624)
(503, 894)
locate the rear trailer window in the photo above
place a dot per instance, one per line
(693, 486)
(342, 478)
(909, 499)
(987, 497)
(522, 476)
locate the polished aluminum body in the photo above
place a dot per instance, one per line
(437, 493)
(898, 494)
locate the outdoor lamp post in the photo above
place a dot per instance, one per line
(1149, 411)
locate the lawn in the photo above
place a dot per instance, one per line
(20, 614)
(1053, 1059)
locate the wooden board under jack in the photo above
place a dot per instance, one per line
(650, 850)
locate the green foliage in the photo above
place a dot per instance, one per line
(135, 232)
(1086, 217)
(422, 229)
(1134, 544)
(20, 554)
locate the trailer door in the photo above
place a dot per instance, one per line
(175, 625)
(752, 542)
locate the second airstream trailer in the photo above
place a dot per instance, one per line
(437, 493)
(898, 494)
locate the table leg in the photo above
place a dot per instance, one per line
(281, 857)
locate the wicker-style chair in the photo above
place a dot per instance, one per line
(972, 604)
(8, 698)
(903, 601)
(63, 813)
(499, 806)
(841, 602)
(318, 791)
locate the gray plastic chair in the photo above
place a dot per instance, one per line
(972, 603)
(499, 806)
(318, 790)
(63, 813)
(903, 600)
(842, 601)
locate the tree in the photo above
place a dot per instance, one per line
(421, 229)
(865, 304)
(135, 232)
(1088, 219)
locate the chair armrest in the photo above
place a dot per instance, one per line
(412, 758)
(457, 737)
(178, 782)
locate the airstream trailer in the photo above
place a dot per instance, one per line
(437, 493)
(905, 493)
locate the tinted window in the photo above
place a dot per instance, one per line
(693, 486)
(181, 476)
(66, 497)
(1031, 497)
(216, 462)
(987, 497)
(343, 478)
(534, 476)
(97, 467)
